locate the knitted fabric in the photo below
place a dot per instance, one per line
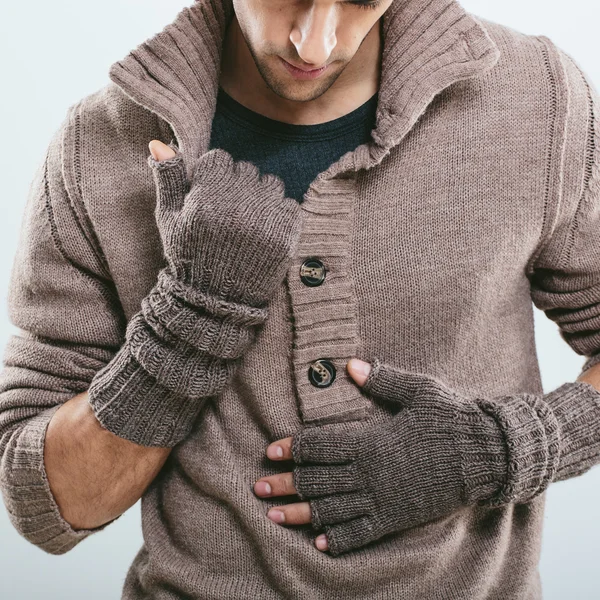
(477, 194)
(440, 452)
(228, 237)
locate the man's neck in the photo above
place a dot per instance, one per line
(241, 79)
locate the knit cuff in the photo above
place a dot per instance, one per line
(181, 348)
(174, 364)
(531, 447)
(31, 506)
(132, 404)
(482, 451)
(217, 327)
(576, 406)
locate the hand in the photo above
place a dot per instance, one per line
(231, 232)
(228, 237)
(282, 484)
(393, 476)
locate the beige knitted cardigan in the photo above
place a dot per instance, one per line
(479, 192)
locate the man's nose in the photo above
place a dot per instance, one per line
(314, 35)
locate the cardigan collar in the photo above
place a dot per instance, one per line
(427, 45)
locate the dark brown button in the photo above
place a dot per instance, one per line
(312, 272)
(321, 373)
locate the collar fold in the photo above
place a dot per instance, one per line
(427, 46)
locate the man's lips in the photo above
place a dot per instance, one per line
(301, 73)
(303, 69)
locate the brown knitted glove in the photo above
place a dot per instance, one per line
(439, 452)
(228, 238)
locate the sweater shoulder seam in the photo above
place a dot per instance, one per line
(591, 176)
(556, 143)
(100, 279)
(70, 151)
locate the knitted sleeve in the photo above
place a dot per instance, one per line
(69, 325)
(565, 278)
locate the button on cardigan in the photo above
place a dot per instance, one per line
(477, 197)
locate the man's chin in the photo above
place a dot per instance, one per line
(300, 90)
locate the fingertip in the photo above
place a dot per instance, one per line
(160, 151)
(321, 542)
(275, 452)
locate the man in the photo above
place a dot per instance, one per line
(440, 172)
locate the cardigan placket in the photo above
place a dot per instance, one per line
(175, 75)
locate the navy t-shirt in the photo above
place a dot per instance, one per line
(296, 153)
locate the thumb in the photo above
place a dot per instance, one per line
(391, 384)
(160, 151)
(169, 174)
(359, 370)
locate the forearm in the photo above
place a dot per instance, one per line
(441, 451)
(228, 241)
(182, 348)
(95, 475)
(591, 375)
(547, 438)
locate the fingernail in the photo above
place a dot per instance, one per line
(361, 366)
(276, 515)
(263, 487)
(275, 451)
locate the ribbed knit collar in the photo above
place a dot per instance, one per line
(427, 46)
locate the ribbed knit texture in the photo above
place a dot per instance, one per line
(477, 194)
(440, 452)
(229, 237)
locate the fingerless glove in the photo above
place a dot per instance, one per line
(228, 238)
(440, 452)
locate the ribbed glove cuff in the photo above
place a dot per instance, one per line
(515, 446)
(130, 403)
(180, 349)
(519, 451)
(215, 326)
(545, 439)
(576, 406)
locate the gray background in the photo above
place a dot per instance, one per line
(53, 53)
